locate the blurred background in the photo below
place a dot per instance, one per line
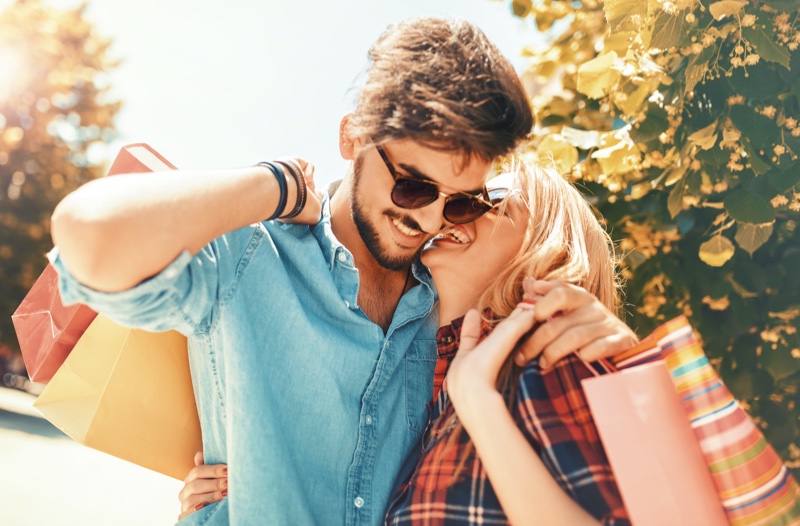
(678, 123)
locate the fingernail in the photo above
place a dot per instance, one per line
(543, 363)
(225, 481)
(198, 506)
(224, 492)
(224, 471)
(519, 359)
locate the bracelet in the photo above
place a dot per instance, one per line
(281, 178)
(300, 180)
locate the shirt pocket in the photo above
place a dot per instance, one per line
(420, 363)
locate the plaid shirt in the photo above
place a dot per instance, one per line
(553, 414)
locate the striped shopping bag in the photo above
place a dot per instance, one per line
(753, 484)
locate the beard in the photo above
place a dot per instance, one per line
(368, 231)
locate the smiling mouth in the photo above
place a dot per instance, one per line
(410, 232)
(454, 234)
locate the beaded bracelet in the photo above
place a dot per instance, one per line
(302, 190)
(281, 178)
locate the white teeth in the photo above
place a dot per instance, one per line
(456, 235)
(404, 229)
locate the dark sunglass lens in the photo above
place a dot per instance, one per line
(409, 193)
(460, 210)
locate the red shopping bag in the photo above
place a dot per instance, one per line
(46, 329)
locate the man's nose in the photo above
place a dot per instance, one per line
(431, 217)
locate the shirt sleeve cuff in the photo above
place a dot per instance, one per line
(73, 291)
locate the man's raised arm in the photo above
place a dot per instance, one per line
(115, 232)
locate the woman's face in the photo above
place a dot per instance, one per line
(470, 255)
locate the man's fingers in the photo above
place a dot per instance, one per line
(470, 331)
(559, 298)
(554, 328)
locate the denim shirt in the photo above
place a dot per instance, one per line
(312, 407)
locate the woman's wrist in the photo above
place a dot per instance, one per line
(475, 402)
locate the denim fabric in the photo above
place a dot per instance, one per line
(312, 407)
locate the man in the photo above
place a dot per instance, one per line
(312, 347)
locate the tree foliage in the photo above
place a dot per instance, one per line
(682, 121)
(54, 106)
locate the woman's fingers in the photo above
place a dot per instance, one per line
(207, 471)
(199, 459)
(470, 331)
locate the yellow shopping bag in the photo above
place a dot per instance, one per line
(128, 392)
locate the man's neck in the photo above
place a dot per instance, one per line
(380, 289)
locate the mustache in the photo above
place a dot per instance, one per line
(407, 221)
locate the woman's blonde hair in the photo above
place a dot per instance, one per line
(564, 241)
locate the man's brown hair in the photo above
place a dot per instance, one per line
(442, 83)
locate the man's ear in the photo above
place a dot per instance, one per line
(347, 143)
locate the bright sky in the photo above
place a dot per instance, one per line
(211, 86)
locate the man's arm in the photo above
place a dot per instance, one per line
(115, 232)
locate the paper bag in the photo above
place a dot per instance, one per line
(660, 470)
(128, 392)
(46, 329)
(752, 483)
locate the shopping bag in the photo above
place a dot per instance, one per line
(657, 462)
(753, 485)
(46, 329)
(128, 392)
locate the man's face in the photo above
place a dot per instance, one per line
(395, 235)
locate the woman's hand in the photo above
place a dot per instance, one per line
(313, 207)
(205, 484)
(572, 320)
(472, 377)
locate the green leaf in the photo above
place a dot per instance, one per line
(675, 200)
(619, 13)
(783, 181)
(697, 68)
(750, 236)
(720, 10)
(780, 362)
(765, 46)
(717, 251)
(522, 8)
(705, 138)
(654, 125)
(747, 207)
(597, 76)
(667, 30)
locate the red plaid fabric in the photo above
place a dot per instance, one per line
(553, 414)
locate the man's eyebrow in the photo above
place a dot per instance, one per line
(416, 174)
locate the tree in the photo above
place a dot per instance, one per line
(54, 105)
(682, 121)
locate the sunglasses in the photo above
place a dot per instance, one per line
(459, 207)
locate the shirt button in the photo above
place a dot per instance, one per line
(347, 304)
(358, 502)
(447, 339)
(342, 257)
(368, 420)
(171, 273)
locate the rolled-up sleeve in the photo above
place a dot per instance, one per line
(184, 296)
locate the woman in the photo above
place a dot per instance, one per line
(523, 447)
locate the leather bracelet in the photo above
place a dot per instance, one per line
(281, 178)
(302, 190)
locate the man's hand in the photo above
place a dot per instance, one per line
(572, 320)
(313, 207)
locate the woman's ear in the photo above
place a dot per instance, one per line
(347, 145)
